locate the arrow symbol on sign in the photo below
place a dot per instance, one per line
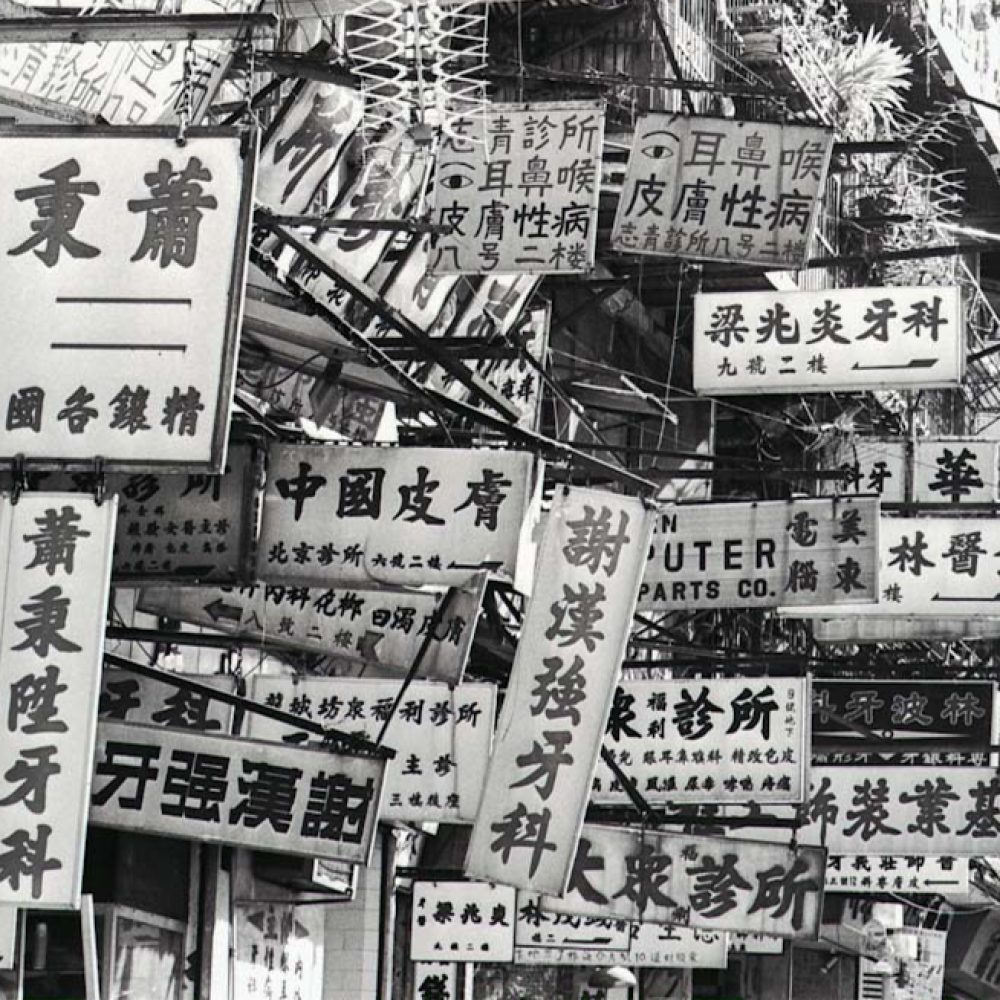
(367, 643)
(219, 609)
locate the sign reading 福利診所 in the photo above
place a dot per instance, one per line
(124, 254)
(517, 190)
(942, 566)
(762, 554)
(835, 340)
(716, 189)
(441, 735)
(378, 628)
(392, 516)
(463, 922)
(543, 938)
(712, 740)
(568, 658)
(714, 883)
(56, 552)
(239, 792)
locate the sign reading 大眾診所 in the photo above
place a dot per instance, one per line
(842, 339)
(762, 554)
(392, 516)
(561, 685)
(717, 189)
(517, 191)
(715, 883)
(711, 740)
(441, 735)
(124, 255)
(55, 550)
(240, 792)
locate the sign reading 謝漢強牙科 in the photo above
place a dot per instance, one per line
(568, 658)
(392, 516)
(517, 190)
(842, 339)
(718, 189)
(125, 254)
(462, 922)
(235, 791)
(55, 550)
(762, 554)
(715, 883)
(712, 740)
(442, 736)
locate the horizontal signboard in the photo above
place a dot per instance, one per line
(712, 740)
(863, 873)
(129, 697)
(880, 628)
(462, 922)
(835, 340)
(762, 554)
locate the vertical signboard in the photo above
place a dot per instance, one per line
(462, 922)
(518, 190)
(392, 516)
(718, 189)
(125, 255)
(561, 684)
(837, 340)
(279, 951)
(55, 549)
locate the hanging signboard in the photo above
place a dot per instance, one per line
(755, 944)
(941, 566)
(710, 882)
(762, 554)
(435, 981)
(279, 951)
(543, 938)
(861, 873)
(718, 189)
(462, 922)
(392, 516)
(712, 740)
(125, 254)
(882, 628)
(128, 697)
(568, 659)
(957, 713)
(56, 552)
(835, 340)
(442, 736)
(872, 466)
(518, 194)
(237, 792)
(385, 628)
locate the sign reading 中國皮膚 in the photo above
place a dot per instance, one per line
(392, 516)
(568, 658)
(517, 190)
(235, 791)
(124, 255)
(841, 339)
(441, 735)
(762, 554)
(717, 189)
(711, 740)
(56, 552)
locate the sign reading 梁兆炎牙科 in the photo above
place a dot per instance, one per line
(762, 554)
(840, 340)
(123, 254)
(718, 189)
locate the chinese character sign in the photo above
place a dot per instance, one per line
(435, 981)
(716, 189)
(441, 735)
(379, 628)
(709, 882)
(124, 255)
(518, 194)
(56, 548)
(836, 340)
(941, 566)
(869, 465)
(762, 554)
(712, 740)
(561, 685)
(396, 516)
(863, 873)
(128, 697)
(238, 792)
(462, 922)
(961, 470)
(279, 951)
